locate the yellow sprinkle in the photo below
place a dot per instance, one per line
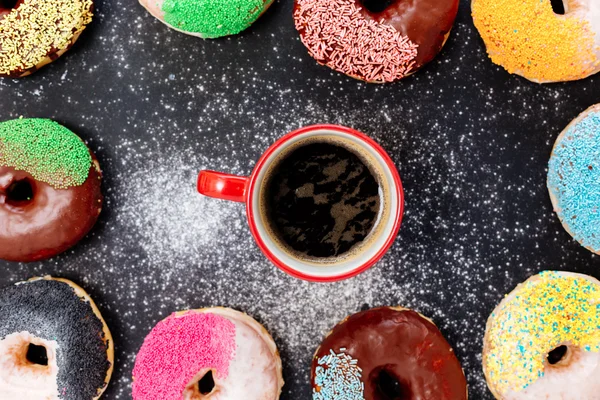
(549, 311)
(37, 28)
(527, 37)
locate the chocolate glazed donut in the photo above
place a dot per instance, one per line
(46, 28)
(397, 354)
(426, 22)
(49, 189)
(376, 41)
(41, 221)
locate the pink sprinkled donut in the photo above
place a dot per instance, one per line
(374, 40)
(212, 353)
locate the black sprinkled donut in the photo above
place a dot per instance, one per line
(54, 343)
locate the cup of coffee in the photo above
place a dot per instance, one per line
(324, 203)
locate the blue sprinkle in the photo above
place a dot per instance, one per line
(338, 377)
(574, 179)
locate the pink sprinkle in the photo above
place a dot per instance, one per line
(337, 35)
(177, 349)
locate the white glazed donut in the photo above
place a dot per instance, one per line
(542, 341)
(213, 353)
(527, 38)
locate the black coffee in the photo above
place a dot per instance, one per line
(322, 200)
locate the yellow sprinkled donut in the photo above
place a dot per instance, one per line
(36, 32)
(527, 38)
(543, 340)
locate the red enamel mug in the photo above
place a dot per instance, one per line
(248, 190)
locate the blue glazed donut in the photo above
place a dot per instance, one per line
(574, 178)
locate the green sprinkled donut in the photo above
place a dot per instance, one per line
(207, 19)
(45, 149)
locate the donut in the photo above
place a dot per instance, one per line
(215, 353)
(54, 344)
(387, 353)
(574, 178)
(34, 33)
(49, 189)
(374, 40)
(543, 340)
(529, 39)
(207, 19)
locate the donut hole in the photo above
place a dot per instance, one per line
(388, 386)
(37, 355)
(206, 384)
(8, 4)
(557, 355)
(20, 192)
(558, 7)
(376, 6)
(202, 386)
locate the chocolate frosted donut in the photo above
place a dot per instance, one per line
(387, 353)
(49, 189)
(375, 40)
(54, 343)
(34, 33)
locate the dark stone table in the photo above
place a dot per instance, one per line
(471, 143)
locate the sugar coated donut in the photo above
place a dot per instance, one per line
(374, 40)
(54, 344)
(542, 340)
(207, 19)
(574, 178)
(528, 38)
(34, 33)
(49, 189)
(386, 353)
(212, 353)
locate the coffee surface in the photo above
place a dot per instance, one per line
(322, 200)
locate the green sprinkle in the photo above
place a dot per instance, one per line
(45, 149)
(213, 19)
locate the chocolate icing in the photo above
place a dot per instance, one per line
(397, 349)
(6, 6)
(51, 222)
(52, 310)
(425, 22)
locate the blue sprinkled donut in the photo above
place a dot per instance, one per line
(574, 178)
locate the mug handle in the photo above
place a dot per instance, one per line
(223, 186)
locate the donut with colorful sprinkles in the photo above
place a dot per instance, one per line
(34, 33)
(543, 340)
(574, 178)
(50, 193)
(208, 19)
(387, 353)
(211, 353)
(54, 343)
(376, 41)
(528, 38)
